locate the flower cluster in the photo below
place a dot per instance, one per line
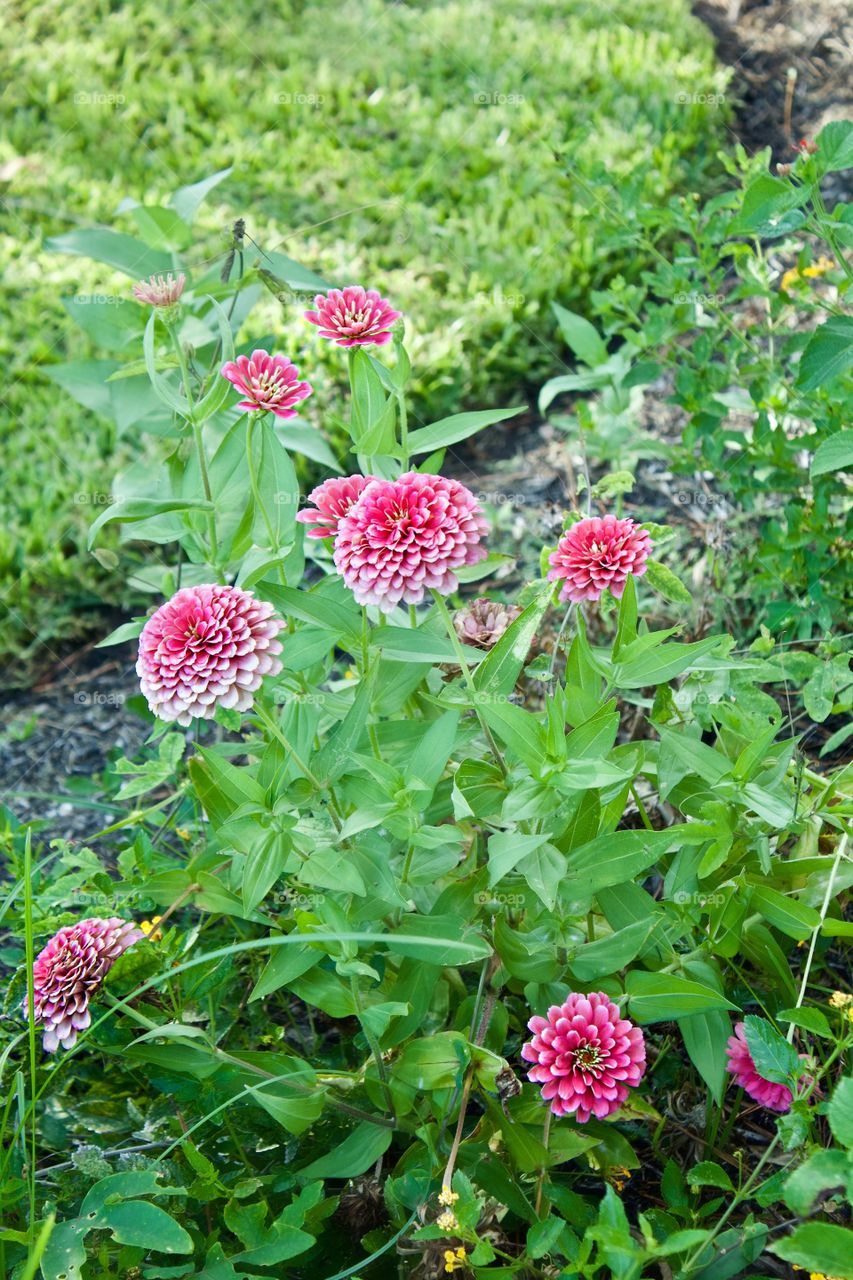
(586, 1056)
(208, 646)
(68, 972)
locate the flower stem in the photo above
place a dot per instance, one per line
(199, 443)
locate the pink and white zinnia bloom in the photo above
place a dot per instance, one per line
(207, 647)
(160, 291)
(353, 317)
(599, 553)
(405, 537)
(331, 501)
(267, 383)
(775, 1097)
(68, 972)
(586, 1056)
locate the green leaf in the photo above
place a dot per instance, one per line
(835, 453)
(659, 997)
(455, 428)
(821, 1172)
(787, 914)
(775, 1059)
(174, 399)
(161, 228)
(828, 352)
(709, 1174)
(132, 257)
(705, 1038)
(187, 200)
(835, 146)
(619, 856)
(262, 868)
(841, 1113)
(544, 1236)
(818, 1246)
(808, 1019)
(139, 1223)
(435, 1063)
(420, 644)
(358, 1151)
(657, 666)
(583, 338)
(134, 510)
(506, 850)
(498, 672)
(319, 608)
(667, 583)
(609, 955)
(336, 753)
(770, 207)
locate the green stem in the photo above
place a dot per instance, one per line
(827, 898)
(31, 1020)
(199, 443)
(404, 429)
(374, 1046)
(469, 679)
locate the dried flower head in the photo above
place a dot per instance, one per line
(483, 622)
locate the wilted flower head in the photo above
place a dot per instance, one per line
(267, 383)
(70, 970)
(483, 622)
(597, 553)
(353, 317)
(207, 647)
(404, 537)
(160, 291)
(332, 500)
(587, 1056)
(775, 1097)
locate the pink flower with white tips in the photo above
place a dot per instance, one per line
(586, 1056)
(353, 317)
(207, 647)
(405, 537)
(68, 972)
(598, 553)
(332, 500)
(160, 291)
(267, 383)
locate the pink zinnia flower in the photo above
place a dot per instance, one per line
(598, 553)
(332, 500)
(406, 536)
(160, 291)
(587, 1056)
(267, 382)
(205, 648)
(70, 970)
(353, 317)
(775, 1097)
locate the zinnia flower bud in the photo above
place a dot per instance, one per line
(353, 317)
(483, 622)
(160, 291)
(599, 553)
(404, 537)
(332, 500)
(586, 1056)
(70, 970)
(268, 383)
(775, 1097)
(207, 647)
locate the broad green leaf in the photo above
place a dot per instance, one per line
(455, 428)
(835, 146)
(506, 850)
(770, 207)
(821, 1172)
(828, 352)
(123, 252)
(667, 583)
(709, 1174)
(841, 1113)
(659, 997)
(187, 200)
(137, 1222)
(583, 338)
(659, 665)
(609, 955)
(775, 1059)
(835, 453)
(134, 510)
(705, 1038)
(335, 754)
(497, 674)
(619, 856)
(435, 1063)
(785, 913)
(808, 1019)
(818, 1246)
(358, 1151)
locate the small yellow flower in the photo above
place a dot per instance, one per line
(447, 1221)
(447, 1197)
(838, 1000)
(185, 835)
(818, 268)
(149, 928)
(618, 1176)
(454, 1260)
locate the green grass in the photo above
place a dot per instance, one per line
(464, 157)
